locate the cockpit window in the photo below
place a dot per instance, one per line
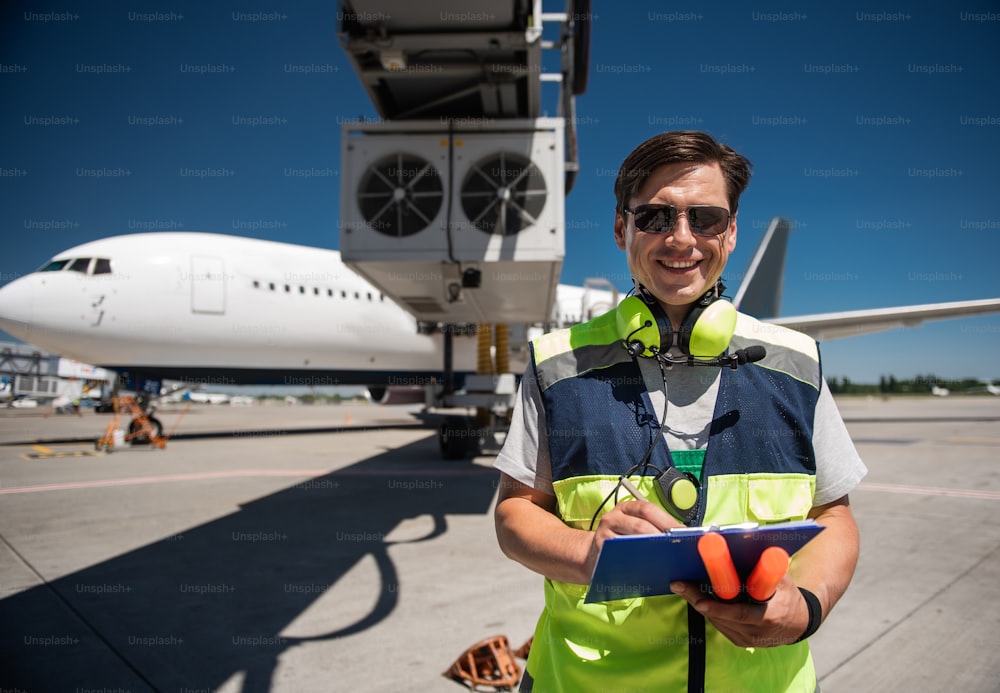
(80, 265)
(102, 266)
(54, 266)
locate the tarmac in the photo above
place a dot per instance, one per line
(330, 548)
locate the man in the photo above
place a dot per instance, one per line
(764, 442)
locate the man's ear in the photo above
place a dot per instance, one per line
(731, 236)
(620, 231)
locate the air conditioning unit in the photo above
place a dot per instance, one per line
(457, 224)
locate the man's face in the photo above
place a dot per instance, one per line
(677, 267)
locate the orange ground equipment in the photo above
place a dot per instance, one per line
(487, 663)
(142, 428)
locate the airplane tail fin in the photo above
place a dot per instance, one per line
(759, 294)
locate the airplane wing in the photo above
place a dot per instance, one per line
(760, 295)
(826, 326)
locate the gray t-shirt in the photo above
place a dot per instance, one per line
(691, 393)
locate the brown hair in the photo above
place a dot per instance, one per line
(680, 145)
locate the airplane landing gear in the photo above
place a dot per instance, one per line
(458, 438)
(491, 395)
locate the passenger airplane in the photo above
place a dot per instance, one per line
(211, 309)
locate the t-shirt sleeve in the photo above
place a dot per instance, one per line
(839, 468)
(525, 453)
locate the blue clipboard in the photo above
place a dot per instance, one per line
(644, 565)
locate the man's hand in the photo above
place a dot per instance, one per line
(629, 517)
(530, 531)
(779, 621)
(824, 566)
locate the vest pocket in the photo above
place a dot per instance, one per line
(779, 498)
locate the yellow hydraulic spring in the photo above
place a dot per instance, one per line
(484, 359)
(503, 349)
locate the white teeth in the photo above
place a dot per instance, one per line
(678, 264)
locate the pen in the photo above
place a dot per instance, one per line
(630, 487)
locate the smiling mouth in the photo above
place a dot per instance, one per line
(678, 264)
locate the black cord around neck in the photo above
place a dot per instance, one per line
(644, 465)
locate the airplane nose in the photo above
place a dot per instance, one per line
(16, 307)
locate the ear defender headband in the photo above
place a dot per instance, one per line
(704, 335)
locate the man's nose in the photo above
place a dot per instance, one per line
(681, 233)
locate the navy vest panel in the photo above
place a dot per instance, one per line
(602, 422)
(763, 422)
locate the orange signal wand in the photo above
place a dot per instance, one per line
(714, 553)
(770, 569)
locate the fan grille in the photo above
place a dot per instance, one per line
(503, 194)
(400, 194)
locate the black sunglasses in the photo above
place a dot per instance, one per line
(703, 220)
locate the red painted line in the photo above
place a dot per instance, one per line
(929, 490)
(133, 481)
(239, 473)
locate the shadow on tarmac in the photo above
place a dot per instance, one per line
(190, 611)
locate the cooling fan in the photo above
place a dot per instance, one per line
(400, 194)
(503, 194)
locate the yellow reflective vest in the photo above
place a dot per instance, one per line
(759, 465)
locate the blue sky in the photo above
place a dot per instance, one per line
(877, 131)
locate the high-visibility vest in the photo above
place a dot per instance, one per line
(759, 465)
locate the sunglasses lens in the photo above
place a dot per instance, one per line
(654, 219)
(704, 221)
(708, 221)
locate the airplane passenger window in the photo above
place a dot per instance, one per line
(316, 291)
(288, 289)
(343, 294)
(302, 289)
(256, 284)
(270, 286)
(79, 265)
(54, 266)
(329, 293)
(102, 266)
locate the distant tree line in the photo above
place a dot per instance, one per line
(889, 385)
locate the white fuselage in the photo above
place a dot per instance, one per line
(190, 305)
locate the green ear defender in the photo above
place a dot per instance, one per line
(712, 331)
(705, 334)
(637, 327)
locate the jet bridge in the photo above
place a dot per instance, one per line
(461, 59)
(452, 203)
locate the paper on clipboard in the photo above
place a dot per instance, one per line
(644, 565)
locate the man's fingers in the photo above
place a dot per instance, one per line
(747, 624)
(651, 513)
(627, 518)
